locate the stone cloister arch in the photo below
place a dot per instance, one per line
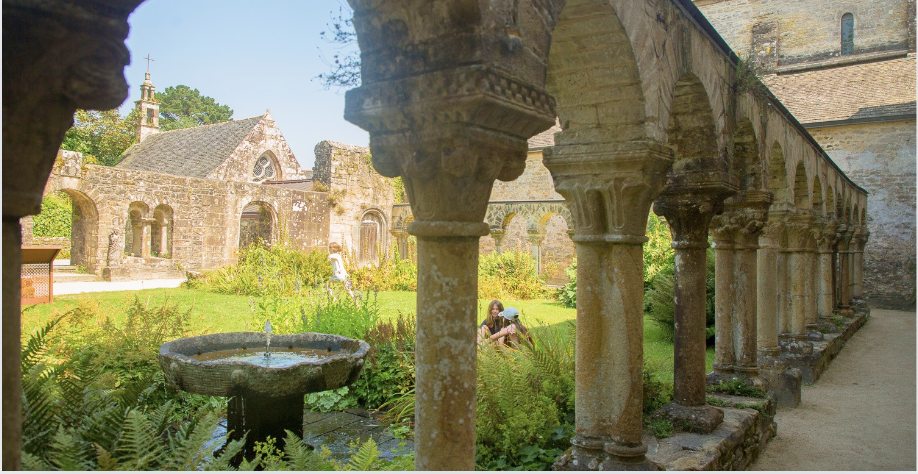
(257, 222)
(161, 231)
(450, 93)
(137, 230)
(84, 233)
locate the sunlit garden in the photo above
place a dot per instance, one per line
(96, 398)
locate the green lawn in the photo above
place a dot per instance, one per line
(213, 312)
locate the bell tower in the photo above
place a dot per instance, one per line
(148, 107)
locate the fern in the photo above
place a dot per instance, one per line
(365, 457)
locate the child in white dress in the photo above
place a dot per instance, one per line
(338, 271)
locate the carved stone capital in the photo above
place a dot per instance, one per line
(845, 234)
(60, 56)
(536, 237)
(609, 187)
(741, 223)
(827, 237)
(689, 216)
(798, 234)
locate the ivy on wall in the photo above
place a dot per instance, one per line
(56, 218)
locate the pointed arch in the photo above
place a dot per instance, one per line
(801, 190)
(817, 198)
(691, 132)
(747, 162)
(777, 174)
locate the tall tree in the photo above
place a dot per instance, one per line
(344, 67)
(101, 136)
(183, 107)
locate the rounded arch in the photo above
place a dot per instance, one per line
(84, 229)
(161, 245)
(801, 190)
(856, 215)
(830, 202)
(747, 162)
(864, 216)
(817, 198)
(506, 220)
(371, 237)
(777, 174)
(593, 74)
(257, 223)
(266, 168)
(692, 132)
(135, 228)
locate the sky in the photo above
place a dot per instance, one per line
(251, 56)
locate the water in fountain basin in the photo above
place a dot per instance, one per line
(277, 359)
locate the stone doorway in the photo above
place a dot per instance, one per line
(256, 224)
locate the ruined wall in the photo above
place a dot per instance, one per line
(881, 159)
(206, 213)
(264, 137)
(534, 184)
(356, 193)
(801, 31)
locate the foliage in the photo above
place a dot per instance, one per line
(183, 107)
(525, 402)
(389, 372)
(70, 422)
(101, 136)
(398, 189)
(336, 399)
(394, 273)
(56, 217)
(567, 294)
(745, 78)
(297, 456)
(511, 274)
(659, 299)
(738, 387)
(345, 65)
(261, 270)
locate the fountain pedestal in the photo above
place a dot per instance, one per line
(265, 399)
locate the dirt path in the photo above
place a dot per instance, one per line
(860, 415)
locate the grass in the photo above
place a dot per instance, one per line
(214, 312)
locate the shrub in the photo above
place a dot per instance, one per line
(567, 294)
(659, 299)
(392, 274)
(56, 217)
(262, 270)
(509, 275)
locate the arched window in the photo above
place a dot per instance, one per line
(263, 169)
(847, 34)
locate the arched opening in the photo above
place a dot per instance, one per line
(817, 198)
(516, 233)
(256, 224)
(830, 202)
(84, 228)
(557, 248)
(265, 168)
(847, 34)
(691, 132)
(162, 232)
(856, 217)
(801, 193)
(371, 238)
(136, 229)
(747, 162)
(777, 176)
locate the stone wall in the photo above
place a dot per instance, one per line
(535, 184)
(206, 213)
(881, 158)
(264, 137)
(809, 30)
(357, 195)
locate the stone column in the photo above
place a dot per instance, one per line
(401, 243)
(688, 214)
(769, 279)
(825, 244)
(736, 240)
(498, 236)
(146, 241)
(844, 270)
(609, 191)
(861, 242)
(535, 240)
(449, 127)
(798, 229)
(164, 238)
(60, 56)
(812, 279)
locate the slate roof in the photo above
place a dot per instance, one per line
(193, 152)
(857, 91)
(297, 184)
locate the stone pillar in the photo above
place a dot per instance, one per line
(798, 229)
(498, 236)
(66, 55)
(688, 215)
(736, 240)
(861, 242)
(449, 122)
(609, 191)
(769, 279)
(401, 243)
(812, 279)
(535, 240)
(146, 241)
(844, 270)
(164, 238)
(825, 244)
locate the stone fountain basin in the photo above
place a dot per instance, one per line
(229, 378)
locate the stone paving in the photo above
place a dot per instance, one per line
(337, 430)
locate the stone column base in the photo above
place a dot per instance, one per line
(784, 383)
(697, 419)
(750, 377)
(583, 459)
